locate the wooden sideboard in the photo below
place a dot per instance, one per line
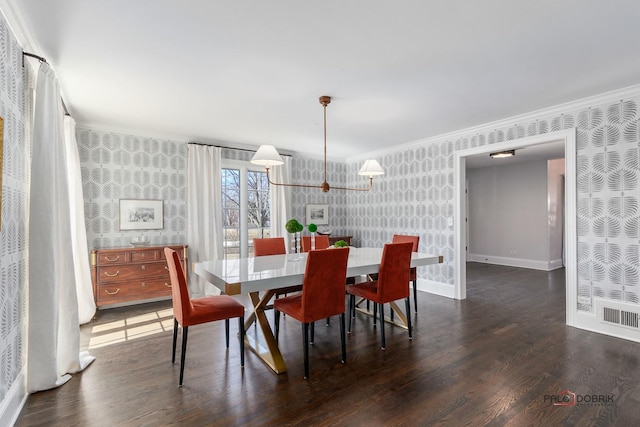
(333, 239)
(132, 274)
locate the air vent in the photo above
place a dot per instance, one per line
(619, 314)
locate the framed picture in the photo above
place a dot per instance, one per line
(318, 214)
(141, 214)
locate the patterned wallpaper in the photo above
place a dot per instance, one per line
(416, 196)
(116, 166)
(15, 108)
(311, 171)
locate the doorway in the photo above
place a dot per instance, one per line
(568, 137)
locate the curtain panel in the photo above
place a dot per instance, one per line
(53, 350)
(204, 213)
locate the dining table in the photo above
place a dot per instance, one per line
(261, 278)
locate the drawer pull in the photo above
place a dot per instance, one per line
(168, 285)
(143, 284)
(107, 291)
(112, 259)
(106, 273)
(144, 267)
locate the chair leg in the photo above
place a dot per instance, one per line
(415, 296)
(226, 330)
(185, 329)
(328, 321)
(342, 339)
(241, 330)
(276, 321)
(352, 299)
(313, 332)
(408, 311)
(382, 325)
(305, 345)
(375, 313)
(175, 339)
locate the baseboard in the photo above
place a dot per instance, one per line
(510, 262)
(556, 264)
(13, 401)
(437, 288)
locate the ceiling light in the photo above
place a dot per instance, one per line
(502, 154)
(267, 156)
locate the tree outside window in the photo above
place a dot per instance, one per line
(246, 209)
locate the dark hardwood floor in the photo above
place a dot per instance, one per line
(493, 359)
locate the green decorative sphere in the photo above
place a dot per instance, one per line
(312, 228)
(293, 226)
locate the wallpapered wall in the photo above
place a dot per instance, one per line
(417, 197)
(15, 109)
(117, 166)
(310, 171)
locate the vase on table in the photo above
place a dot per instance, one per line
(295, 247)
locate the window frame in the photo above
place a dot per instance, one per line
(244, 167)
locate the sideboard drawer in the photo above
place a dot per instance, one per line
(113, 258)
(132, 271)
(132, 291)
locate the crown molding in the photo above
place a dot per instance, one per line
(606, 97)
(15, 20)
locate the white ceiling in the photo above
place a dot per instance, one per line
(251, 72)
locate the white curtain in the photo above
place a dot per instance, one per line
(204, 213)
(84, 289)
(280, 198)
(53, 349)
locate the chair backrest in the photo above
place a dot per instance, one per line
(269, 246)
(324, 284)
(179, 291)
(393, 278)
(322, 242)
(401, 238)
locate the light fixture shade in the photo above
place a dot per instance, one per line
(371, 168)
(267, 155)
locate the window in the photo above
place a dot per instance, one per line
(246, 210)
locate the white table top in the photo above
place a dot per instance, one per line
(244, 275)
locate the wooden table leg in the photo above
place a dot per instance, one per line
(271, 353)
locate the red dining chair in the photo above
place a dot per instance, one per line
(269, 246)
(392, 284)
(322, 242)
(188, 312)
(322, 295)
(401, 238)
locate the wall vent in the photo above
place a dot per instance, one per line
(619, 314)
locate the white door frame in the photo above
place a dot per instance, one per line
(568, 136)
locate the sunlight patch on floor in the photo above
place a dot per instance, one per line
(131, 328)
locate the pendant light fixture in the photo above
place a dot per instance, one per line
(267, 156)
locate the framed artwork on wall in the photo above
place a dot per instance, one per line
(136, 214)
(317, 214)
